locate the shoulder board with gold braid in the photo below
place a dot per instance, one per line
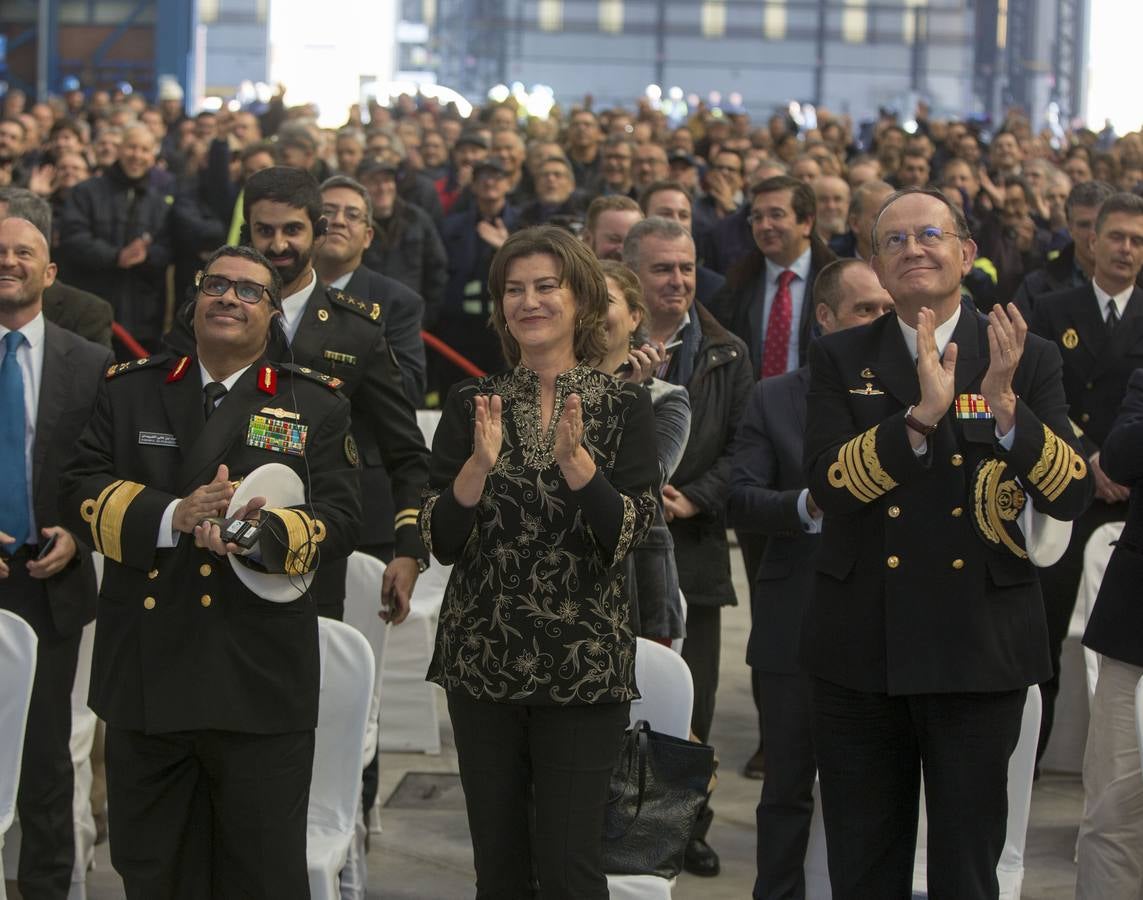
(135, 365)
(370, 310)
(330, 381)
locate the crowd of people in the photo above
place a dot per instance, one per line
(869, 352)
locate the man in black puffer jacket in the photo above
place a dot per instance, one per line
(115, 241)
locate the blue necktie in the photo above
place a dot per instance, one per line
(13, 471)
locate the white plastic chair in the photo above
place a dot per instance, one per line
(664, 680)
(1096, 556)
(346, 691)
(1010, 869)
(362, 601)
(1139, 718)
(83, 722)
(410, 718)
(17, 671)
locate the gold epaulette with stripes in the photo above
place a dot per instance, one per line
(1057, 467)
(858, 468)
(105, 515)
(303, 534)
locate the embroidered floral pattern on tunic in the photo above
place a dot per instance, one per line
(536, 609)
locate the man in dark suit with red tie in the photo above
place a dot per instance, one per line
(1098, 329)
(768, 498)
(48, 383)
(766, 301)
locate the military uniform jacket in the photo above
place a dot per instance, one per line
(1097, 365)
(342, 336)
(181, 643)
(922, 584)
(1115, 628)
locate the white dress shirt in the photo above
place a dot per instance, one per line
(30, 357)
(1105, 299)
(294, 305)
(801, 269)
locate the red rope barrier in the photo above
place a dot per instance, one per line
(128, 341)
(431, 340)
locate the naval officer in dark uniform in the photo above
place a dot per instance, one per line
(210, 691)
(927, 432)
(1098, 328)
(329, 331)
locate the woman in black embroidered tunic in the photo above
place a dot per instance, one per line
(542, 480)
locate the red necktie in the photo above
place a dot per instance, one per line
(776, 348)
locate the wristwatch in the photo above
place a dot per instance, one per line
(917, 425)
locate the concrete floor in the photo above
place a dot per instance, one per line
(426, 853)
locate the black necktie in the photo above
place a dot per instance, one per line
(213, 392)
(1112, 316)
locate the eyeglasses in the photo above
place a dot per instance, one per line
(217, 285)
(353, 215)
(929, 237)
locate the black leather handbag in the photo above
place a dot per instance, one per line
(658, 787)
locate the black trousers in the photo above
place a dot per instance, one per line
(47, 779)
(701, 651)
(209, 814)
(1059, 585)
(786, 808)
(561, 759)
(871, 749)
(752, 547)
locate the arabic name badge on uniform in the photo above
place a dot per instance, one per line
(1070, 339)
(972, 406)
(277, 430)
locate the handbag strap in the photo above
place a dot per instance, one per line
(641, 731)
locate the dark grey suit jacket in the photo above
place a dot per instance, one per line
(73, 371)
(79, 311)
(402, 310)
(766, 479)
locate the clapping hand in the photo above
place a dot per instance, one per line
(937, 375)
(204, 501)
(487, 434)
(1006, 333)
(573, 459)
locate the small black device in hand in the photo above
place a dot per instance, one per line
(241, 532)
(626, 367)
(46, 547)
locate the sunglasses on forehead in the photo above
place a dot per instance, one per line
(217, 285)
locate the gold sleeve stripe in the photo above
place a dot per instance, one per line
(301, 539)
(1057, 466)
(858, 468)
(997, 506)
(105, 515)
(406, 517)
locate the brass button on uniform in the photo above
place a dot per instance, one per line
(205, 601)
(894, 512)
(958, 564)
(153, 574)
(149, 603)
(893, 562)
(957, 512)
(1086, 417)
(957, 459)
(204, 570)
(1089, 385)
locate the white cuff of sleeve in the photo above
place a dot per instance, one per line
(1006, 440)
(167, 536)
(810, 525)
